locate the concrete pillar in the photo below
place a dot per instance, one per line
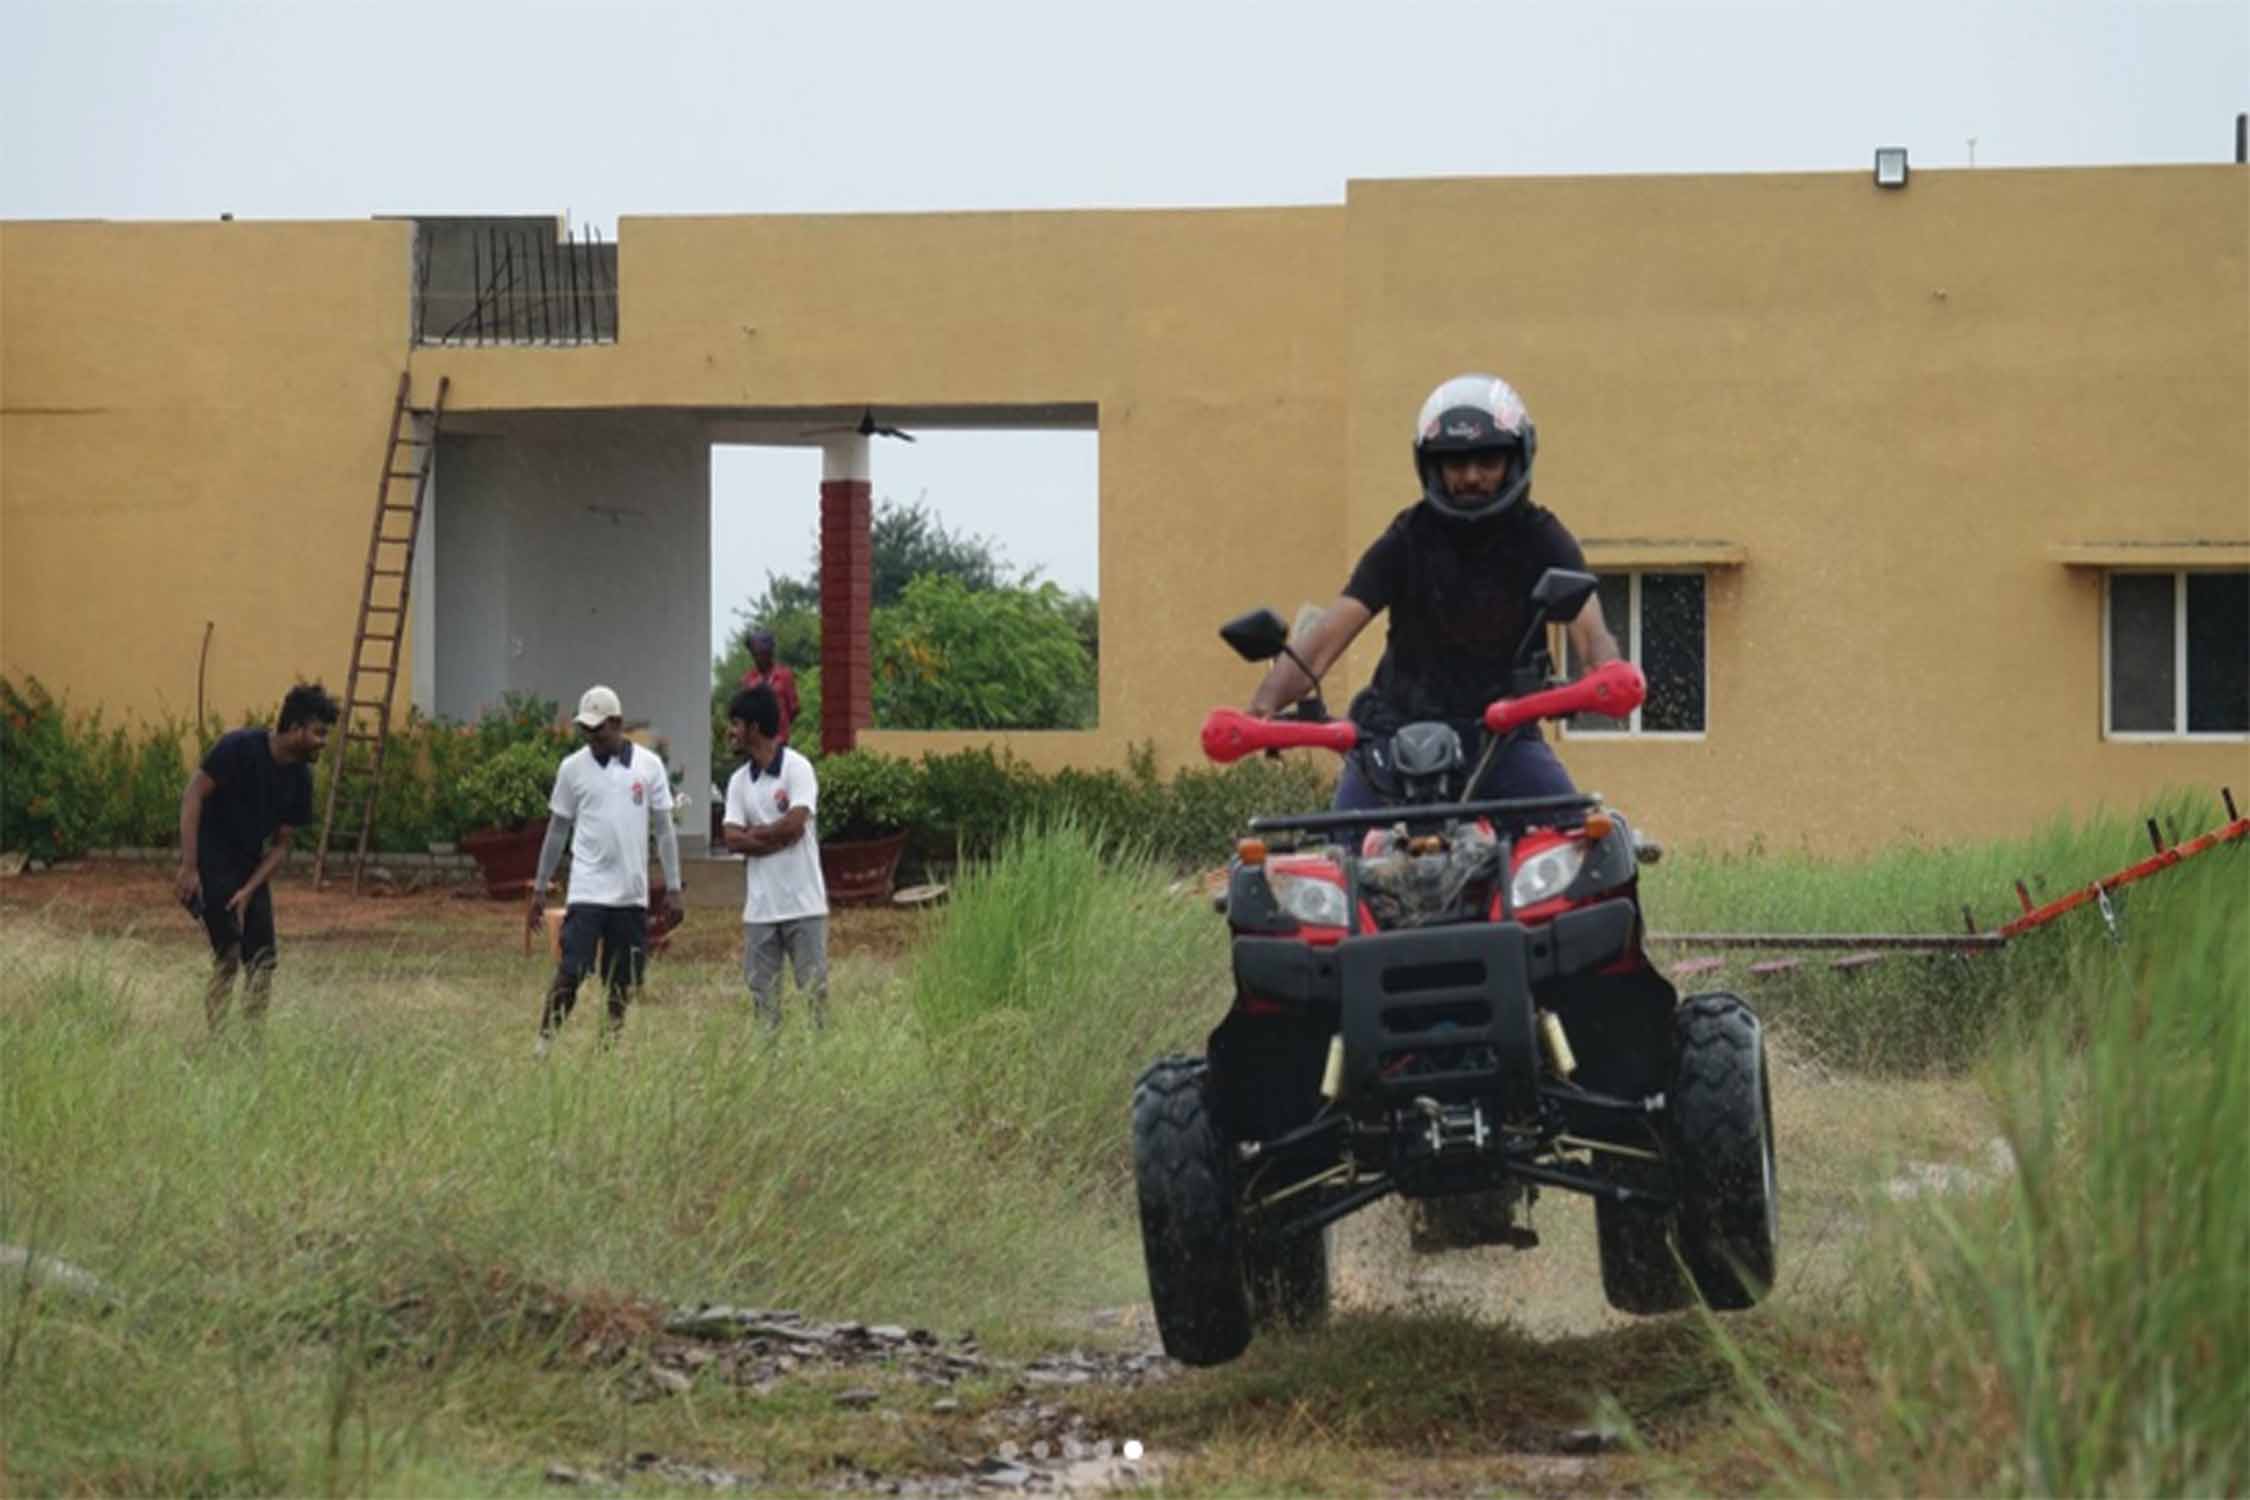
(847, 571)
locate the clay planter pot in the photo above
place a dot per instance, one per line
(507, 859)
(860, 873)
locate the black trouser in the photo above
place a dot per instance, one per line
(236, 945)
(621, 935)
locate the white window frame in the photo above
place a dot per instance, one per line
(1633, 729)
(2179, 732)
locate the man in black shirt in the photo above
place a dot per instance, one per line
(237, 812)
(1455, 569)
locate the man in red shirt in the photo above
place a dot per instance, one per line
(763, 673)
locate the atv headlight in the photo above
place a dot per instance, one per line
(1547, 874)
(1316, 903)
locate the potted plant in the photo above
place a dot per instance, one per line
(867, 803)
(504, 799)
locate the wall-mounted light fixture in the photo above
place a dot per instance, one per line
(1890, 166)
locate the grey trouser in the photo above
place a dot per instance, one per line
(806, 940)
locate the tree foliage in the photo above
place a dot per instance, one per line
(934, 670)
(950, 657)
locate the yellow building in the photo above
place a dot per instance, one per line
(1930, 507)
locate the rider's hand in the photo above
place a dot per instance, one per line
(536, 913)
(186, 884)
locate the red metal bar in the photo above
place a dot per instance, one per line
(2040, 916)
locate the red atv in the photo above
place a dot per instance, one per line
(1447, 1000)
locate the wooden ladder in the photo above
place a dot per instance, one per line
(383, 598)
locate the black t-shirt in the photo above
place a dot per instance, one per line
(255, 796)
(1459, 595)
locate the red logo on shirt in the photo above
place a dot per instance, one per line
(781, 799)
(637, 794)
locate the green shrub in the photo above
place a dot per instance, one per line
(511, 788)
(867, 795)
(45, 808)
(68, 784)
(970, 801)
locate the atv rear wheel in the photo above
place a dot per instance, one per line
(1189, 1230)
(1722, 1122)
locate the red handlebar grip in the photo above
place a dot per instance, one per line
(1613, 690)
(1229, 734)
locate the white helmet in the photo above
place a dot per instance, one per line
(1474, 413)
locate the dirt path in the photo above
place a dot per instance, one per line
(111, 898)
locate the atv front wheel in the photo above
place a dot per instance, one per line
(1722, 1120)
(1189, 1230)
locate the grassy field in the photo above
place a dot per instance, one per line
(386, 1252)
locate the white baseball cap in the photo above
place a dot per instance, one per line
(598, 707)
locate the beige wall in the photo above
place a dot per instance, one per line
(191, 423)
(1894, 404)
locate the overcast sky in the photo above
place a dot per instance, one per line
(327, 109)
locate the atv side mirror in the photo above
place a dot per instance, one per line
(1563, 593)
(1260, 635)
(1558, 595)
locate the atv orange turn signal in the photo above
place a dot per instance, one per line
(1251, 851)
(1428, 843)
(1599, 826)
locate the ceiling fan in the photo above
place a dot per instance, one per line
(867, 426)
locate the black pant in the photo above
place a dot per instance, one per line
(251, 940)
(621, 935)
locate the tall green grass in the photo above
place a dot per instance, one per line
(1065, 965)
(2084, 1328)
(357, 1244)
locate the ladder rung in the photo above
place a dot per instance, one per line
(390, 505)
(382, 609)
(363, 703)
(390, 572)
(379, 638)
(402, 473)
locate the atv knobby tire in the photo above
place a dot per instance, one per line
(1721, 1109)
(1189, 1230)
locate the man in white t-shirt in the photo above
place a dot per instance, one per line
(604, 796)
(769, 818)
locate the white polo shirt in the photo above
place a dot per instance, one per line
(784, 886)
(609, 809)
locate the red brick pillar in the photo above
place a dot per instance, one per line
(847, 568)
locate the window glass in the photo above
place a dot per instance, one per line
(1616, 595)
(2141, 676)
(2218, 653)
(1672, 652)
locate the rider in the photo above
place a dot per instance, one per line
(1455, 569)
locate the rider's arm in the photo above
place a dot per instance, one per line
(1591, 644)
(1285, 683)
